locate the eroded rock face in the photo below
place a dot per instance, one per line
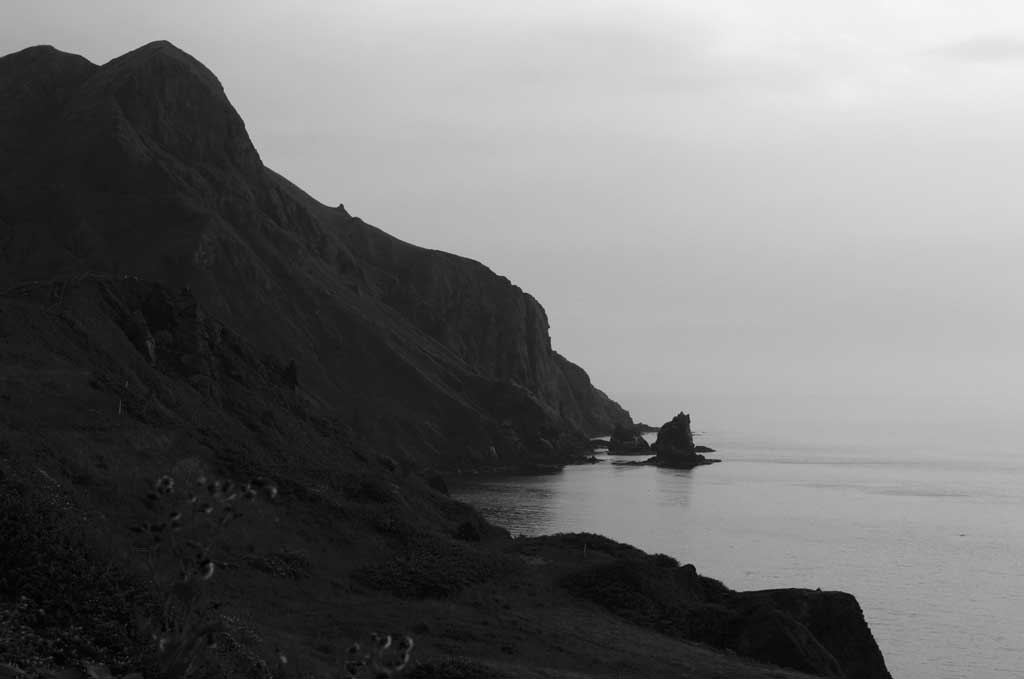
(628, 440)
(834, 619)
(822, 633)
(674, 446)
(675, 437)
(141, 166)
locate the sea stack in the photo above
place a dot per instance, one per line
(674, 445)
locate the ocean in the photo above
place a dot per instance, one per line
(914, 505)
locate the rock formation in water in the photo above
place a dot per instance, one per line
(674, 445)
(628, 440)
(675, 436)
(142, 167)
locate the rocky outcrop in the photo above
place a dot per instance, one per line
(674, 446)
(142, 167)
(821, 633)
(585, 403)
(778, 622)
(675, 436)
(628, 440)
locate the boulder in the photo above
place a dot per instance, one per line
(627, 440)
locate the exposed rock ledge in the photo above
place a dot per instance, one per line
(821, 633)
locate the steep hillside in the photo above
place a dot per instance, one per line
(170, 502)
(142, 167)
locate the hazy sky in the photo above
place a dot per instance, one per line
(724, 197)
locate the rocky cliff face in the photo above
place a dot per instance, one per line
(820, 633)
(142, 167)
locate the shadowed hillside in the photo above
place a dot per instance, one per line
(142, 167)
(121, 398)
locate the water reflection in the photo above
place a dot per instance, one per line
(907, 540)
(604, 497)
(675, 487)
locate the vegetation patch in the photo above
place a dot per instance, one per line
(433, 567)
(59, 603)
(652, 592)
(454, 668)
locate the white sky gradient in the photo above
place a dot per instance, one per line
(798, 196)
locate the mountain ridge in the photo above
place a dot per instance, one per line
(145, 168)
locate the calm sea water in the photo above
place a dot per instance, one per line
(915, 506)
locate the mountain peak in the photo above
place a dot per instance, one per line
(36, 52)
(172, 100)
(170, 57)
(42, 62)
(36, 82)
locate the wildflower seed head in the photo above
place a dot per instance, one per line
(206, 569)
(164, 485)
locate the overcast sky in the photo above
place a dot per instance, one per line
(715, 197)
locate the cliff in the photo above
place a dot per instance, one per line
(142, 167)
